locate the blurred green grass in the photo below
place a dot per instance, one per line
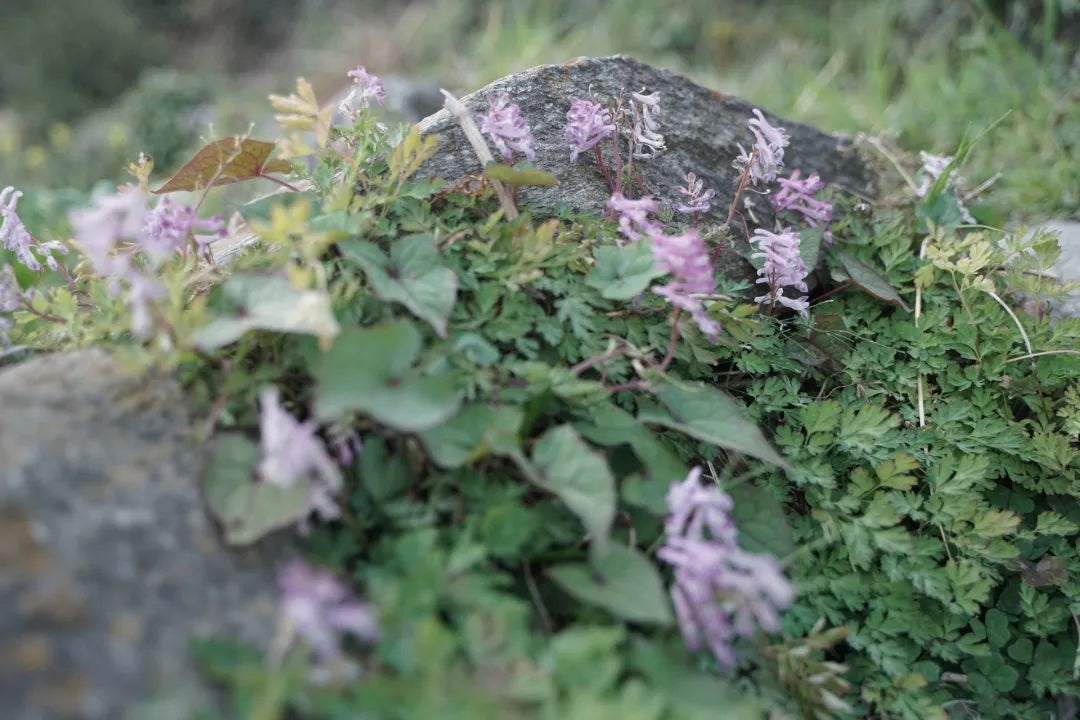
(923, 72)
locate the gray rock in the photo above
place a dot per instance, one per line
(108, 562)
(702, 130)
(1068, 265)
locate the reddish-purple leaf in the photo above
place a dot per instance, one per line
(830, 336)
(223, 162)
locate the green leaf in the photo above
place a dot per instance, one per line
(709, 415)
(246, 508)
(622, 273)
(382, 475)
(267, 302)
(473, 433)
(414, 276)
(869, 280)
(519, 177)
(649, 495)
(862, 426)
(997, 627)
(612, 426)
(368, 370)
(1022, 650)
(763, 527)
(1052, 523)
(580, 477)
(622, 580)
(820, 417)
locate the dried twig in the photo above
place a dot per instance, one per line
(472, 133)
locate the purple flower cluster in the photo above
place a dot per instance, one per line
(634, 220)
(168, 226)
(319, 608)
(507, 129)
(11, 298)
(797, 195)
(766, 157)
(366, 87)
(720, 592)
(292, 453)
(696, 200)
(159, 233)
(587, 124)
(645, 138)
(783, 267)
(685, 256)
(15, 237)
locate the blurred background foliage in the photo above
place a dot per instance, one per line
(85, 87)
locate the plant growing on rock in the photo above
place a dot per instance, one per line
(562, 497)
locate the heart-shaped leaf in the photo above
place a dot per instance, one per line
(623, 581)
(246, 508)
(369, 370)
(223, 162)
(268, 302)
(579, 476)
(473, 433)
(414, 276)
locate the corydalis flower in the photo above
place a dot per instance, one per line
(686, 257)
(645, 136)
(15, 237)
(587, 124)
(11, 298)
(507, 129)
(99, 229)
(784, 267)
(797, 195)
(292, 454)
(634, 221)
(167, 228)
(720, 591)
(696, 200)
(766, 157)
(318, 607)
(366, 87)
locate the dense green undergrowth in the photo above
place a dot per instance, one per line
(908, 452)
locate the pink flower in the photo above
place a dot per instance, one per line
(15, 237)
(720, 592)
(507, 129)
(696, 201)
(766, 158)
(367, 87)
(797, 195)
(783, 267)
(167, 227)
(645, 132)
(634, 221)
(587, 124)
(686, 257)
(98, 230)
(320, 609)
(292, 453)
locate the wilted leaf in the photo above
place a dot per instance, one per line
(518, 177)
(869, 280)
(707, 414)
(580, 477)
(268, 302)
(246, 508)
(225, 161)
(1050, 570)
(623, 580)
(369, 370)
(830, 336)
(622, 273)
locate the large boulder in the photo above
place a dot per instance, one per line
(109, 564)
(702, 129)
